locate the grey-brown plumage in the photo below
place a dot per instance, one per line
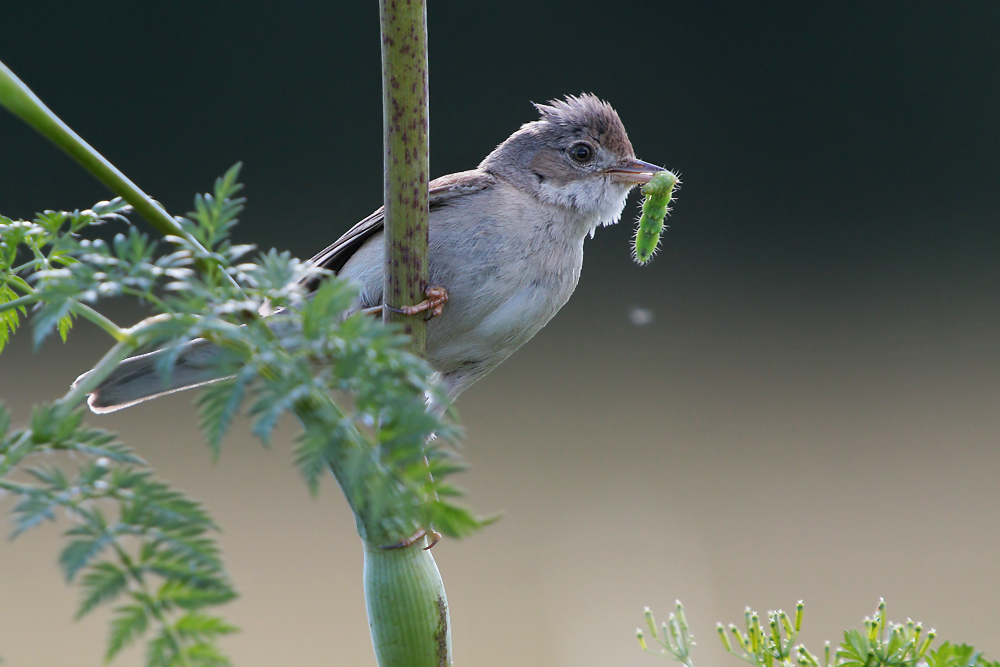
(506, 241)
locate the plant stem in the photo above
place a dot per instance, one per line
(100, 320)
(405, 140)
(78, 393)
(75, 396)
(20, 101)
(24, 104)
(21, 302)
(80, 309)
(407, 605)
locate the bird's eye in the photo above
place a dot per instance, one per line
(581, 153)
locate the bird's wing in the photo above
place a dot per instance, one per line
(442, 191)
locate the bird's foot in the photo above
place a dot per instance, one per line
(431, 534)
(436, 295)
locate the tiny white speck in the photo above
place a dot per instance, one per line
(640, 316)
(102, 462)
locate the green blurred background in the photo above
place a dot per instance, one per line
(811, 413)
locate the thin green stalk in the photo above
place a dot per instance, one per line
(20, 101)
(74, 397)
(21, 302)
(81, 309)
(27, 265)
(159, 303)
(88, 313)
(78, 393)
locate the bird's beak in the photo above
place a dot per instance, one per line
(636, 172)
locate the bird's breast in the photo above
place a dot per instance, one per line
(507, 275)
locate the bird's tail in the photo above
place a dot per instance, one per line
(139, 379)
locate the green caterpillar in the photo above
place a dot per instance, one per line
(654, 209)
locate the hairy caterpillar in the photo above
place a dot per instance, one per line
(647, 235)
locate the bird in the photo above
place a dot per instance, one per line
(506, 243)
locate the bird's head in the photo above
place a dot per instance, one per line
(577, 156)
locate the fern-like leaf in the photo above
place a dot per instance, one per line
(80, 553)
(205, 654)
(103, 582)
(9, 319)
(129, 622)
(185, 596)
(219, 403)
(195, 625)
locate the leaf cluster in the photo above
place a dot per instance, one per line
(135, 542)
(40, 251)
(674, 636)
(360, 398)
(880, 643)
(764, 647)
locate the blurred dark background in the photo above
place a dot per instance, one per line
(811, 413)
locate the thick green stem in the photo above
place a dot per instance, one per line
(407, 607)
(405, 138)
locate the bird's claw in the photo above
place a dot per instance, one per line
(432, 534)
(436, 295)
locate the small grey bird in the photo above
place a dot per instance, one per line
(506, 242)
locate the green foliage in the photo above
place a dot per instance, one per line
(135, 542)
(880, 643)
(134, 538)
(674, 636)
(958, 655)
(9, 319)
(764, 647)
